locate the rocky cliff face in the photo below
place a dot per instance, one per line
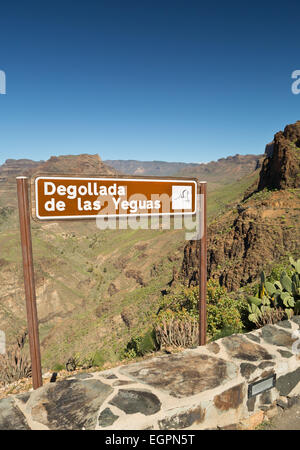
(281, 169)
(262, 229)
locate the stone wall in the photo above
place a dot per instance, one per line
(201, 388)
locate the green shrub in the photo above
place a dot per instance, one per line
(223, 311)
(223, 333)
(276, 299)
(87, 362)
(129, 354)
(225, 314)
(98, 359)
(277, 271)
(147, 343)
(140, 345)
(58, 367)
(176, 323)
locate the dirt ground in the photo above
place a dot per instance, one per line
(286, 419)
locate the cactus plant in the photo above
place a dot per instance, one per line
(276, 299)
(295, 264)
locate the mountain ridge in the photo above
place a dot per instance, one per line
(200, 170)
(263, 228)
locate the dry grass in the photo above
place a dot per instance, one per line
(271, 316)
(14, 364)
(176, 333)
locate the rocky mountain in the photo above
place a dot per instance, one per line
(15, 167)
(216, 173)
(224, 170)
(147, 168)
(11, 169)
(281, 169)
(263, 228)
(65, 164)
(76, 164)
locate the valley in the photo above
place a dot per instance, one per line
(97, 289)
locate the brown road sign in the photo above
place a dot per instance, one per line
(85, 198)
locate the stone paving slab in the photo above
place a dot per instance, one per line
(183, 375)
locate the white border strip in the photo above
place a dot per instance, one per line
(95, 216)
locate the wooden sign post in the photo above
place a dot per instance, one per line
(30, 296)
(67, 198)
(202, 265)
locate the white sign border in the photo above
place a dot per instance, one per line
(94, 216)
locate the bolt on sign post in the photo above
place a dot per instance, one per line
(72, 198)
(30, 296)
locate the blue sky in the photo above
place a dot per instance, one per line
(151, 80)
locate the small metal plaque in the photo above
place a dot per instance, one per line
(261, 386)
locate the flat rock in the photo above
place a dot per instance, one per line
(286, 383)
(253, 337)
(23, 397)
(107, 418)
(182, 375)
(121, 382)
(275, 336)
(284, 324)
(11, 418)
(183, 420)
(247, 369)
(109, 376)
(296, 319)
(285, 353)
(133, 401)
(82, 376)
(240, 348)
(68, 404)
(265, 364)
(231, 398)
(213, 347)
(251, 404)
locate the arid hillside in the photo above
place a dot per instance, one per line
(217, 173)
(264, 228)
(95, 288)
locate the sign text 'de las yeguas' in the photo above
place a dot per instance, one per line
(74, 197)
